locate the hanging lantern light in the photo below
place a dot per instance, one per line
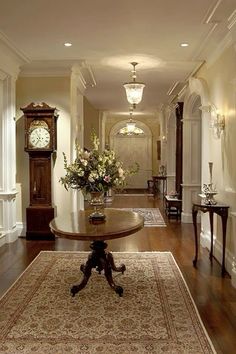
(134, 89)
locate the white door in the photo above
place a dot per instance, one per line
(131, 149)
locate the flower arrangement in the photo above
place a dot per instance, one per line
(95, 171)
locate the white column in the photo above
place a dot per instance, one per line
(102, 129)
(191, 166)
(170, 147)
(163, 138)
(77, 125)
(8, 230)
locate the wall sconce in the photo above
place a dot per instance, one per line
(164, 139)
(217, 122)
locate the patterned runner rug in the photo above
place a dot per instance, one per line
(152, 216)
(155, 315)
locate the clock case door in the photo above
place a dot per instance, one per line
(40, 211)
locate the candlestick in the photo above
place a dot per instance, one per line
(210, 169)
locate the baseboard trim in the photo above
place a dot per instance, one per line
(205, 241)
(21, 229)
(8, 237)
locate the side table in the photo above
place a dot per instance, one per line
(78, 226)
(222, 211)
(173, 206)
(156, 180)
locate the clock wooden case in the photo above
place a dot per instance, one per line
(40, 142)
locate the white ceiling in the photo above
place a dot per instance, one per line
(108, 34)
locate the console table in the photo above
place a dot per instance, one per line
(156, 180)
(222, 211)
(78, 226)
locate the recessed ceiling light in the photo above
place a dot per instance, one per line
(67, 44)
(184, 44)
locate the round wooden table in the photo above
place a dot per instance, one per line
(78, 226)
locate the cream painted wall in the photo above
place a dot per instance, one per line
(91, 122)
(154, 126)
(56, 93)
(221, 80)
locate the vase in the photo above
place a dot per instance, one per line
(109, 196)
(97, 201)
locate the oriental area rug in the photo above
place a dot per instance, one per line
(152, 216)
(155, 315)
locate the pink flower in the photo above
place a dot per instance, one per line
(107, 179)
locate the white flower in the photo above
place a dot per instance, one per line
(91, 179)
(86, 154)
(84, 162)
(121, 172)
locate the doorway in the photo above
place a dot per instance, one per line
(134, 148)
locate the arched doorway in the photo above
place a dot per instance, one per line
(195, 148)
(134, 148)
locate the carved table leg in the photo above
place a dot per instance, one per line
(87, 270)
(211, 227)
(110, 259)
(194, 216)
(100, 260)
(224, 217)
(108, 274)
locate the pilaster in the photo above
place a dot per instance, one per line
(191, 186)
(78, 86)
(8, 230)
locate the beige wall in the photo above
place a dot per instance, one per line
(154, 126)
(91, 122)
(55, 92)
(221, 81)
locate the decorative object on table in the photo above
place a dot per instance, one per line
(95, 172)
(109, 196)
(152, 216)
(173, 194)
(97, 201)
(208, 190)
(162, 170)
(156, 315)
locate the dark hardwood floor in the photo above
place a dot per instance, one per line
(214, 296)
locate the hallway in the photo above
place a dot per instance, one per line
(214, 296)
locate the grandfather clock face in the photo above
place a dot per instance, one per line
(40, 128)
(39, 135)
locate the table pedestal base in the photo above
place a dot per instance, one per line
(101, 260)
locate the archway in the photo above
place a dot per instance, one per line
(134, 148)
(195, 147)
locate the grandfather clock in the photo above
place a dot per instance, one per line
(40, 142)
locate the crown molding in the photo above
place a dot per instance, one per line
(228, 40)
(11, 58)
(45, 72)
(22, 57)
(222, 46)
(60, 68)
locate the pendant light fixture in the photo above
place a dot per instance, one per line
(130, 125)
(134, 89)
(130, 129)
